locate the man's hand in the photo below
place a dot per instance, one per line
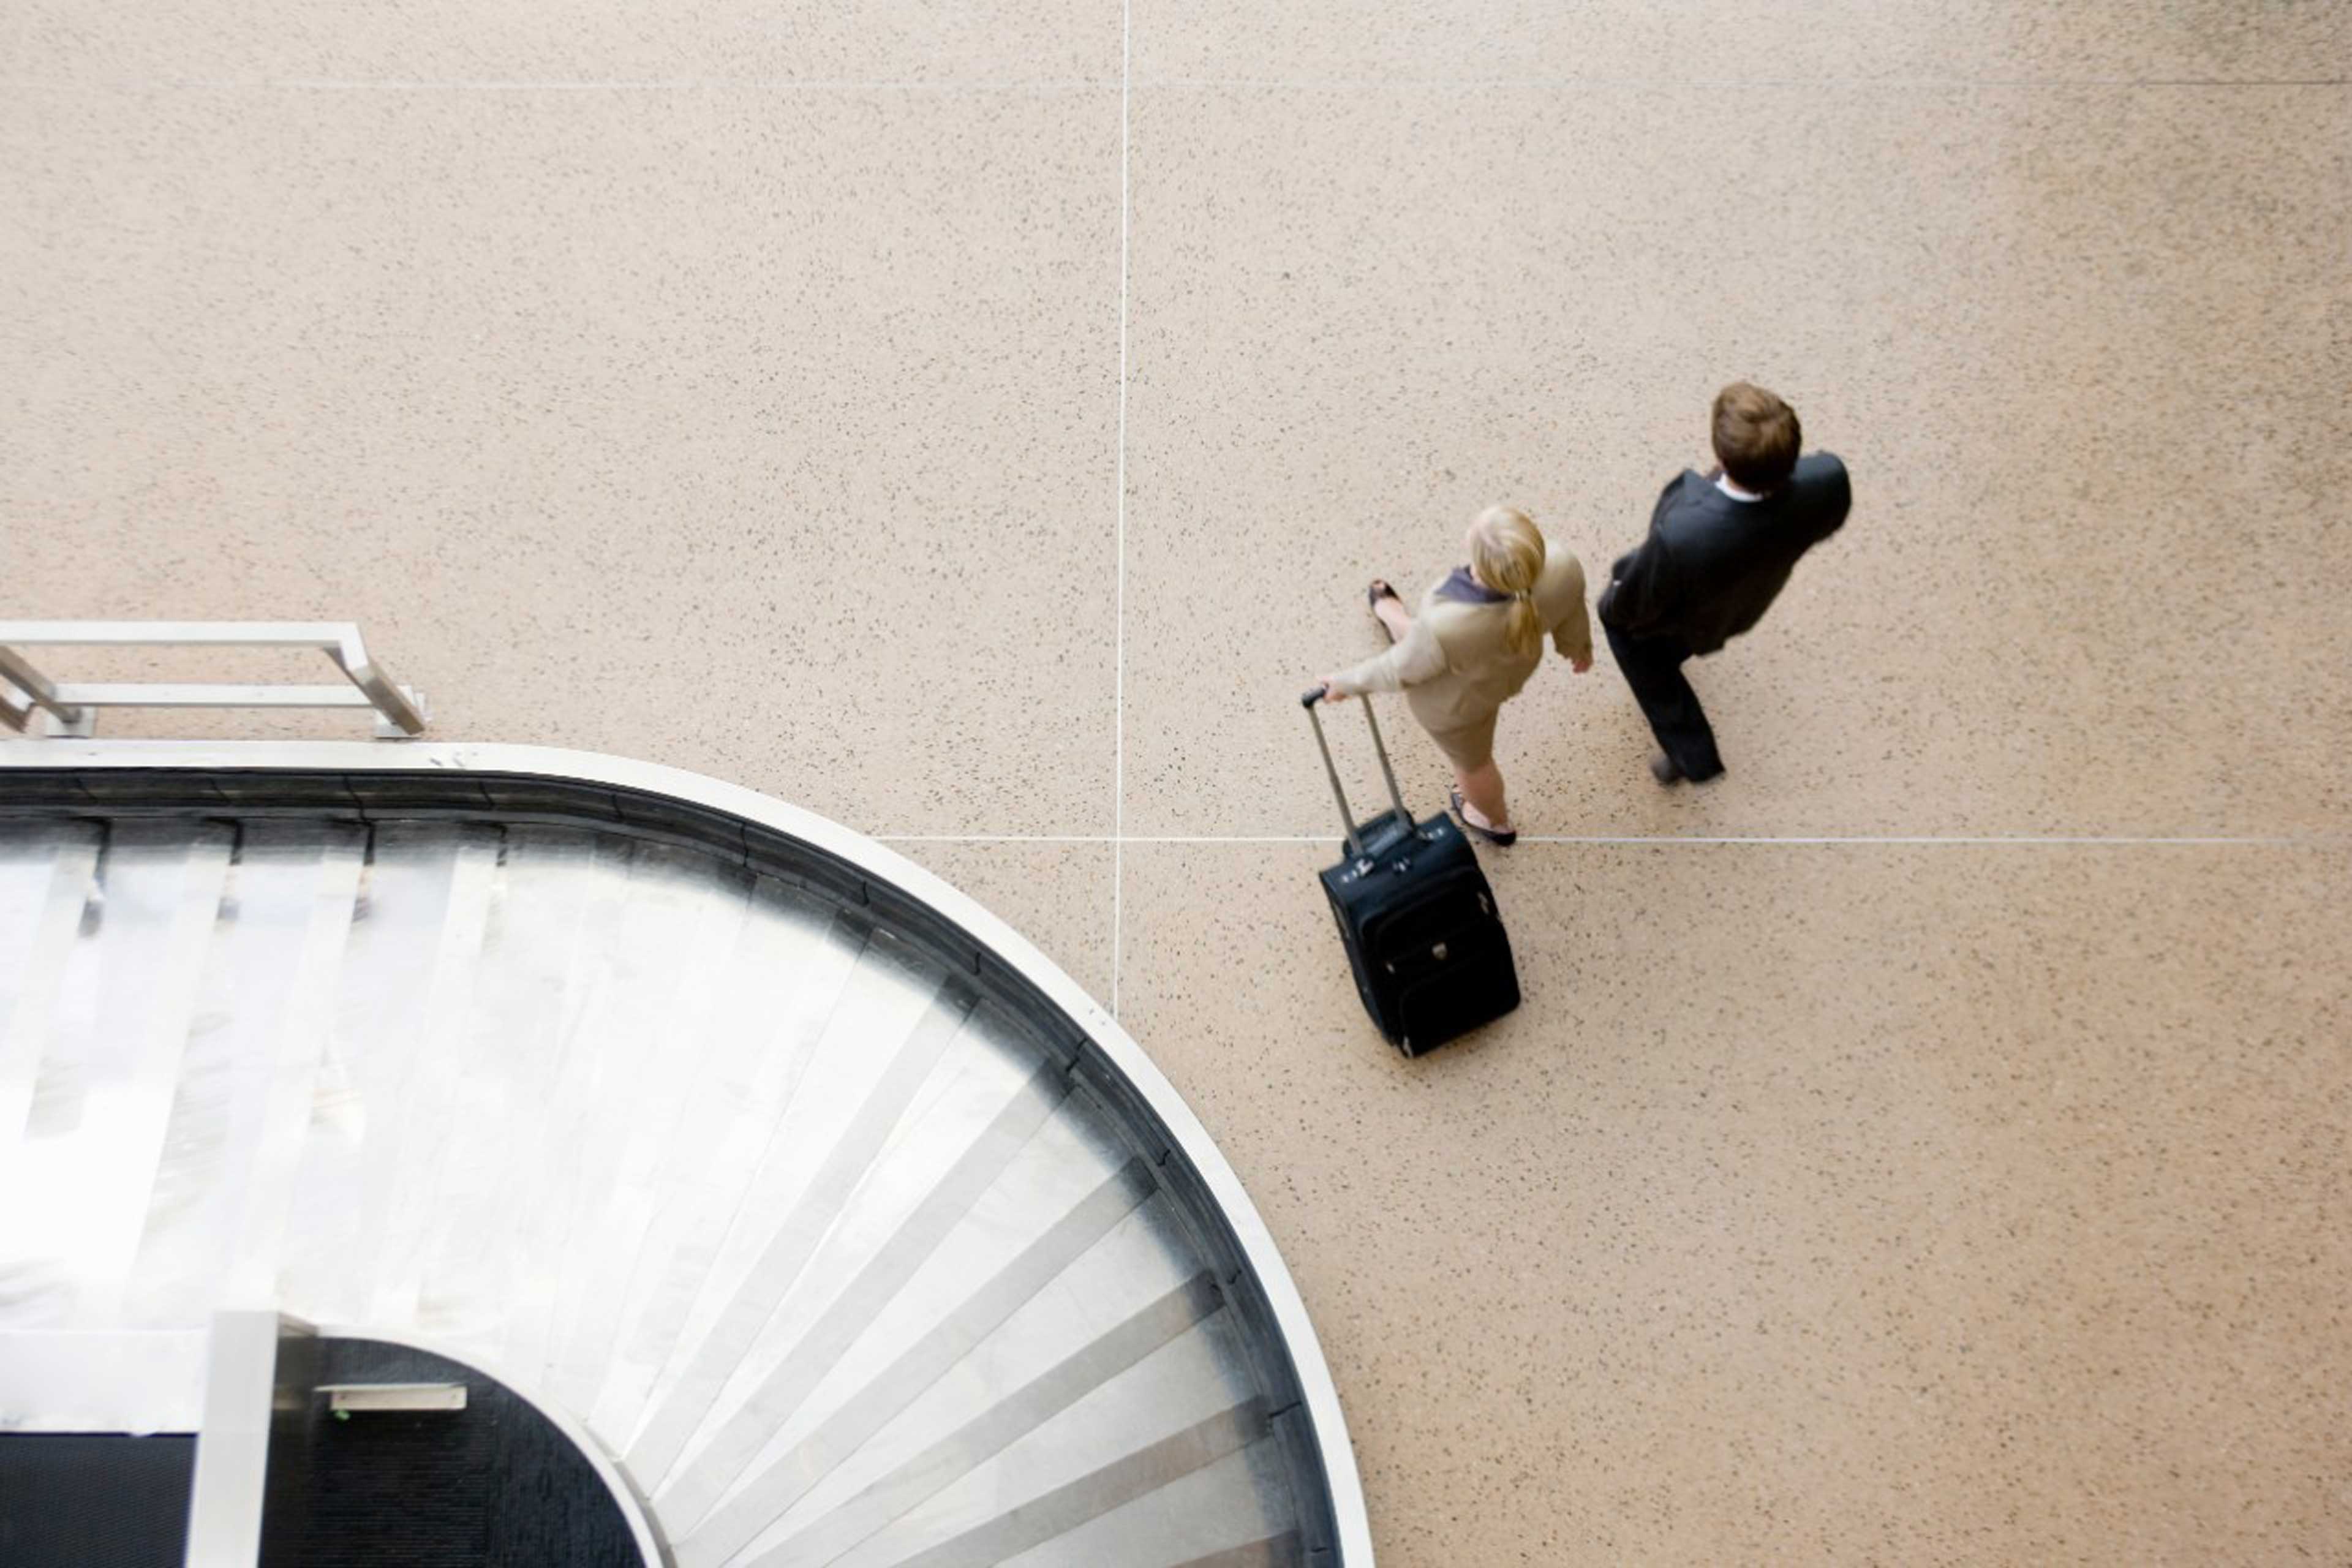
(1580, 665)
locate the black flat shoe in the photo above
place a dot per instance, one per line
(1499, 839)
(1373, 595)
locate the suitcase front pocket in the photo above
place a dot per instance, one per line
(1475, 984)
(1434, 915)
(1413, 956)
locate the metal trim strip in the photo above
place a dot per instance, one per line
(1099, 1491)
(915, 1238)
(657, 1450)
(923, 1363)
(1020, 1412)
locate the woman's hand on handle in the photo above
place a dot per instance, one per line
(1331, 692)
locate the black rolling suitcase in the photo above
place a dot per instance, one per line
(1415, 914)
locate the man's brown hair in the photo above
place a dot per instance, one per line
(1756, 436)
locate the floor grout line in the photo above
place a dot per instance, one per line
(651, 84)
(1988, 840)
(1570, 84)
(1119, 593)
(1125, 85)
(991, 837)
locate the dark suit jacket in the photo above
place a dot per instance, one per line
(1712, 564)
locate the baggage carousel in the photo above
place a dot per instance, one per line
(834, 1222)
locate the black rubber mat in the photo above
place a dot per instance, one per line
(494, 1484)
(72, 1500)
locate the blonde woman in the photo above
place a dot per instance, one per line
(1479, 638)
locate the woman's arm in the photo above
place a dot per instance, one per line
(1409, 663)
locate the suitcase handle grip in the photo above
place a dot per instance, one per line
(1313, 695)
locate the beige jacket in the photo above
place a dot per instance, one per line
(1454, 667)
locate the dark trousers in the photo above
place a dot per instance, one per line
(1653, 669)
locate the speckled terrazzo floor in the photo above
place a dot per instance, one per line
(1930, 1143)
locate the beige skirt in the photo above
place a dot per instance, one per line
(1468, 747)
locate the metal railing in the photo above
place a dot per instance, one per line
(33, 703)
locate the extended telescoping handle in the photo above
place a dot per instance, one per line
(1310, 701)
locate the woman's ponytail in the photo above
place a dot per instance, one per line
(1506, 554)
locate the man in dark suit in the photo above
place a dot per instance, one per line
(1721, 545)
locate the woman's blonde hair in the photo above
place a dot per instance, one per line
(1507, 553)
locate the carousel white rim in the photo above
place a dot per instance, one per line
(1351, 1527)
